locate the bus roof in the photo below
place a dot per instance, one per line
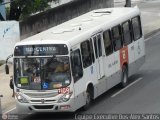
(82, 27)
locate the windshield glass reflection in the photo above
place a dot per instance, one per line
(42, 73)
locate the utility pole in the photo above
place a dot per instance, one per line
(128, 3)
(0, 105)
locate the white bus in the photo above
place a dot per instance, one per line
(66, 67)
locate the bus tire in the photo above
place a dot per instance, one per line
(124, 77)
(88, 100)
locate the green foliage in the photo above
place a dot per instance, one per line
(7, 12)
(23, 8)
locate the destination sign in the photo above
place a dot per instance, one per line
(41, 50)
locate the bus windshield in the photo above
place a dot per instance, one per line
(42, 73)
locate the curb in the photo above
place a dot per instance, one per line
(122, 1)
(151, 33)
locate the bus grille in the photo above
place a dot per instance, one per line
(43, 106)
(41, 95)
(40, 101)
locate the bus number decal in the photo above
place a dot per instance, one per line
(123, 56)
(64, 90)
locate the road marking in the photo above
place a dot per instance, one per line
(126, 87)
(9, 110)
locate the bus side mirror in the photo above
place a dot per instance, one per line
(7, 69)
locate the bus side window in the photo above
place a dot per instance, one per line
(99, 45)
(91, 49)
(86, 53)
(136, 26)
(127, 36)
(117, 39)
(76, 65)
(107, 42)
(95, 47)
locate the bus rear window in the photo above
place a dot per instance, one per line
(41, 50)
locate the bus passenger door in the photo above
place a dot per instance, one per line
(97, 40)
(138, 41)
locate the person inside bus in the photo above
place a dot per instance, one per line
(59, 68)
(60, 73)
(66, 67)
(62, 68)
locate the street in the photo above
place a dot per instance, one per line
(141, 96)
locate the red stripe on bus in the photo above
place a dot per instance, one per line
(123, 56)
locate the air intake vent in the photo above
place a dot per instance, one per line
(103, 12)
(41, 95)
(40, 101)
(87, 19)
(43, 106)
(98, 13)
(63, 31)
(76, 24)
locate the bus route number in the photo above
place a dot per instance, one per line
(64, 90)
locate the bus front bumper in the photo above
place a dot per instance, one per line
(29, 108)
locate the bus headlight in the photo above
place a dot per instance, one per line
(21, 99)
(65, 97)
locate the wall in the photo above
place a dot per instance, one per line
(60, 14)
(9, 35)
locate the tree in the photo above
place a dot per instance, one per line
(22, 8)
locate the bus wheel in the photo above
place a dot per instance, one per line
(124, 77)
(88, 100)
